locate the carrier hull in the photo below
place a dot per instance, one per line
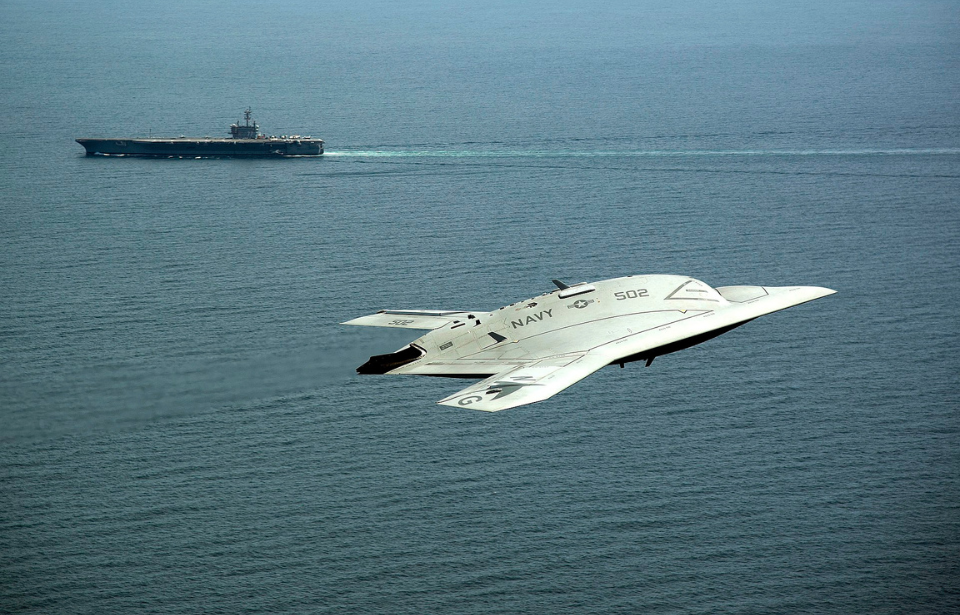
(234, 148)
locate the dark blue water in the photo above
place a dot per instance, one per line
(181, 428)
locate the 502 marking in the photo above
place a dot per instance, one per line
(631, 294)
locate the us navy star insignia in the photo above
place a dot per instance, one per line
(580, 304)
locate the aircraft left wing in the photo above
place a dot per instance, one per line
(410, 319)
(527, 383)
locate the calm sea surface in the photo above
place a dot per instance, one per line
(181, 427)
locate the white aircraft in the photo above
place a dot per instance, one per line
(531, 350)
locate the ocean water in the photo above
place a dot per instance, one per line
(181, 427)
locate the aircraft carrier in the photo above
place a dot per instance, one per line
(245, 141)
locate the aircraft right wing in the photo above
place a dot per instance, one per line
(411, 319)
(527, 383)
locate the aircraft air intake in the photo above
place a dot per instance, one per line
(383, 363)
